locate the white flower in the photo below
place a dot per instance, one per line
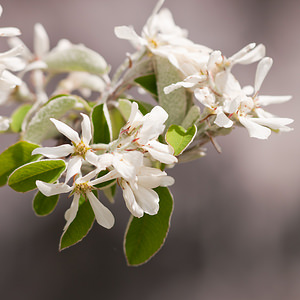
(80, 150)
(138, 193)
(162, 37)
(250, 114)
(144, 132)
(82, 186)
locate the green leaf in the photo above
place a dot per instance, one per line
(174, 103)
(179, 138)
(117, 121)
(80, 226)
(40, 127)
(76, 58)
(101, 128)
(43, 205)
(18, 117)
(148, 82)
(145, 236)
(192, 116)
(23, 179)
(14, 157)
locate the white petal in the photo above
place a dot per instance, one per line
(223, 121)
(240, 54)
(262, 70)
(41, 41)
(9, 31)
(50, 189)
(109, 176)
(66, 130)
(161, 152)
(267, 100)
(74, 167)
(130, 202)
(71, 213)
(102, 214)
(175, 86)
(128, 33)
(152, 182)
(86, 129)
(274, 123)
(54, 152)
(92, 158)
(147, 199)
(153, 124)
(252, 56)
(254, 129)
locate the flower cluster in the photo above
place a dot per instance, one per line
(124, 141)
(127, 159)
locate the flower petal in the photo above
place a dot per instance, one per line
(71, 213)
(160, 152)
(147, 199)
(66, 130)
(41, 41)
(50, 189)
(254, 129)
(223, 121)
(267, 100)
(54, 152)
(262, 70)
(74, 167)
(130, 202)
(102, 214)
(86, 129)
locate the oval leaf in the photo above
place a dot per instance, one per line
(43, 205)
(23, 179)
(40, 127)
(174, 103)
(145, 236)
(18, 117)
(76, 58)
(80, 226)
(179, 138)
(101, 127)
(14, 157)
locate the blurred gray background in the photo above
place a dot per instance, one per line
(235, 231)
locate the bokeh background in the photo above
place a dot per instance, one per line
(235, 231)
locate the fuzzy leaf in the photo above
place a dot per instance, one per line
(40, 127)
(76, 58)
(192, 116)
(174, 103)
(43, 205)
(80, 226)
(23, 179)
(145, 236)
(14, 157)
(179, 138)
